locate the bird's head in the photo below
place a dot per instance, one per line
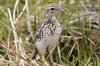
(52, 9)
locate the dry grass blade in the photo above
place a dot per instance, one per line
(80, 39)
(12, 51)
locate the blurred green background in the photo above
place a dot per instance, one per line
(79, 44)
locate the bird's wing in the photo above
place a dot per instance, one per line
(38, 33)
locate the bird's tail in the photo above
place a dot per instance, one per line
(33, 53)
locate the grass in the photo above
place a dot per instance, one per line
(79, 44)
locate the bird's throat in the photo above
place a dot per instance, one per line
(46, 18)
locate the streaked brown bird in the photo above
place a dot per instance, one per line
(49, 32)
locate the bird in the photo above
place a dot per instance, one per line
(48, 34)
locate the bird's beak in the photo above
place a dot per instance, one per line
(63, 9)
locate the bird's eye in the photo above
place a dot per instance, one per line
(52, 8)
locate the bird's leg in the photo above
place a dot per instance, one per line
(51, 60)
(51, 49)
(51, 57)
(44, 61)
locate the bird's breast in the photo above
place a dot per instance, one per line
(48, 34)
(51, 33)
